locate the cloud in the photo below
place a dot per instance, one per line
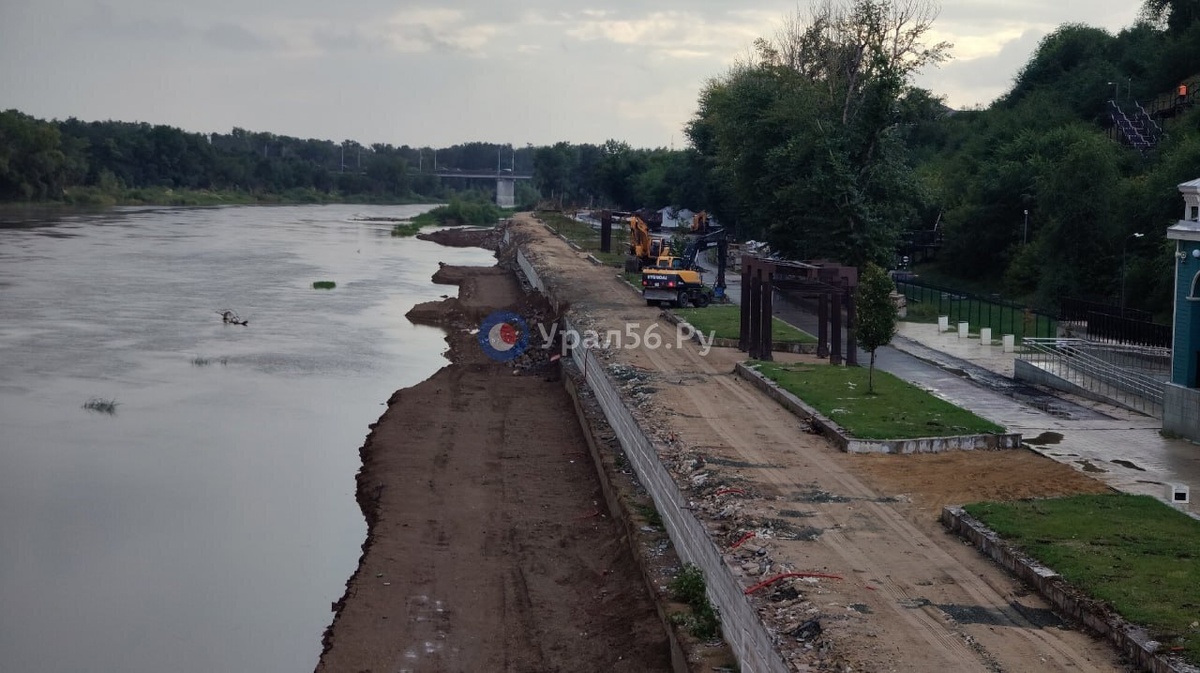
(967, 82)
(236, 38)
(423, 30)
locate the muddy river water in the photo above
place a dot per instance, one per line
(209, 521)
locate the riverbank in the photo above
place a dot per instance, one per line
(489, 546)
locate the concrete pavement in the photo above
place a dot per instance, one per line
(1123, 449)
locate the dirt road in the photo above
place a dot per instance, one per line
(912, 597)
(487, 546)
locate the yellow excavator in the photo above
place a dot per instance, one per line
(677, 280)
(644, 249)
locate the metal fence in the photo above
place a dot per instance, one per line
(1004, 317)
(1114, 324)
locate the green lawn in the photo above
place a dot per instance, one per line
(896, 410)
(1132, 551)
(725, 320)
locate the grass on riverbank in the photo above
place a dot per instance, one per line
(725, 320)
(896, 410)
(1135, 553)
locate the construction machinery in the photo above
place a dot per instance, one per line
(644, 249)
(678, 279)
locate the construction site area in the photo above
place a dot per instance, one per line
(535, 513)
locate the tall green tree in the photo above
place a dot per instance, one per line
(876, 314)
(808, 133)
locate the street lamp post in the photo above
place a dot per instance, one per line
(1124, 248)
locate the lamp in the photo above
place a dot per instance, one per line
(1124, 247)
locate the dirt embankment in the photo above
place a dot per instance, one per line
(489, 547)
(464, 237)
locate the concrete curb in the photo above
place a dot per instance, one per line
(1132, 641)
(805, 349)
(842, 439)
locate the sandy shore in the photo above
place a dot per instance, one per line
(489, 547)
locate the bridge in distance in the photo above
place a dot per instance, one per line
(506, 182)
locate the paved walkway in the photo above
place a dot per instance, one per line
(1121, 448)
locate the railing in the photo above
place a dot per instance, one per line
(1107, 322)
(1003, 317)
(1129, 376)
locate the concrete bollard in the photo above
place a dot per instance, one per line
(943, 323)
(985, 336)
(1010, 343)
(964, 330)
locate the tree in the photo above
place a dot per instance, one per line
(809, 137)
(876, 314)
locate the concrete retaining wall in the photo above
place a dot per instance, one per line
(741, 627)
(1131, 640)
(1181, 411)
(838, 435)
(679, 662)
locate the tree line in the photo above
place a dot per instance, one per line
(818, 142)
(75, 160)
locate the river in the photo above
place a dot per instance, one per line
(209, 522)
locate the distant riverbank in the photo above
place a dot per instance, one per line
(166, 196)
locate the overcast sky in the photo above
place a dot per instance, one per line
(437, 73)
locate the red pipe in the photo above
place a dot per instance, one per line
(745, 537)
(776, 578)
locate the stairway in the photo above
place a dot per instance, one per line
(1139, 131)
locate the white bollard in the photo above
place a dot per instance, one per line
(985, 336)
(963, 330)
(943, 323)
(1009, 343)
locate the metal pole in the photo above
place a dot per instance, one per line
(1124, 248)
(1025, 231)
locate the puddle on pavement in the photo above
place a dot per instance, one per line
(735, 463)
(796, 514)
(1126, 463)
(818, 496)
(1045, 438)
(1039, 618)
(1089, 467)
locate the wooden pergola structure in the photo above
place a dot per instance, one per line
(826, 286)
